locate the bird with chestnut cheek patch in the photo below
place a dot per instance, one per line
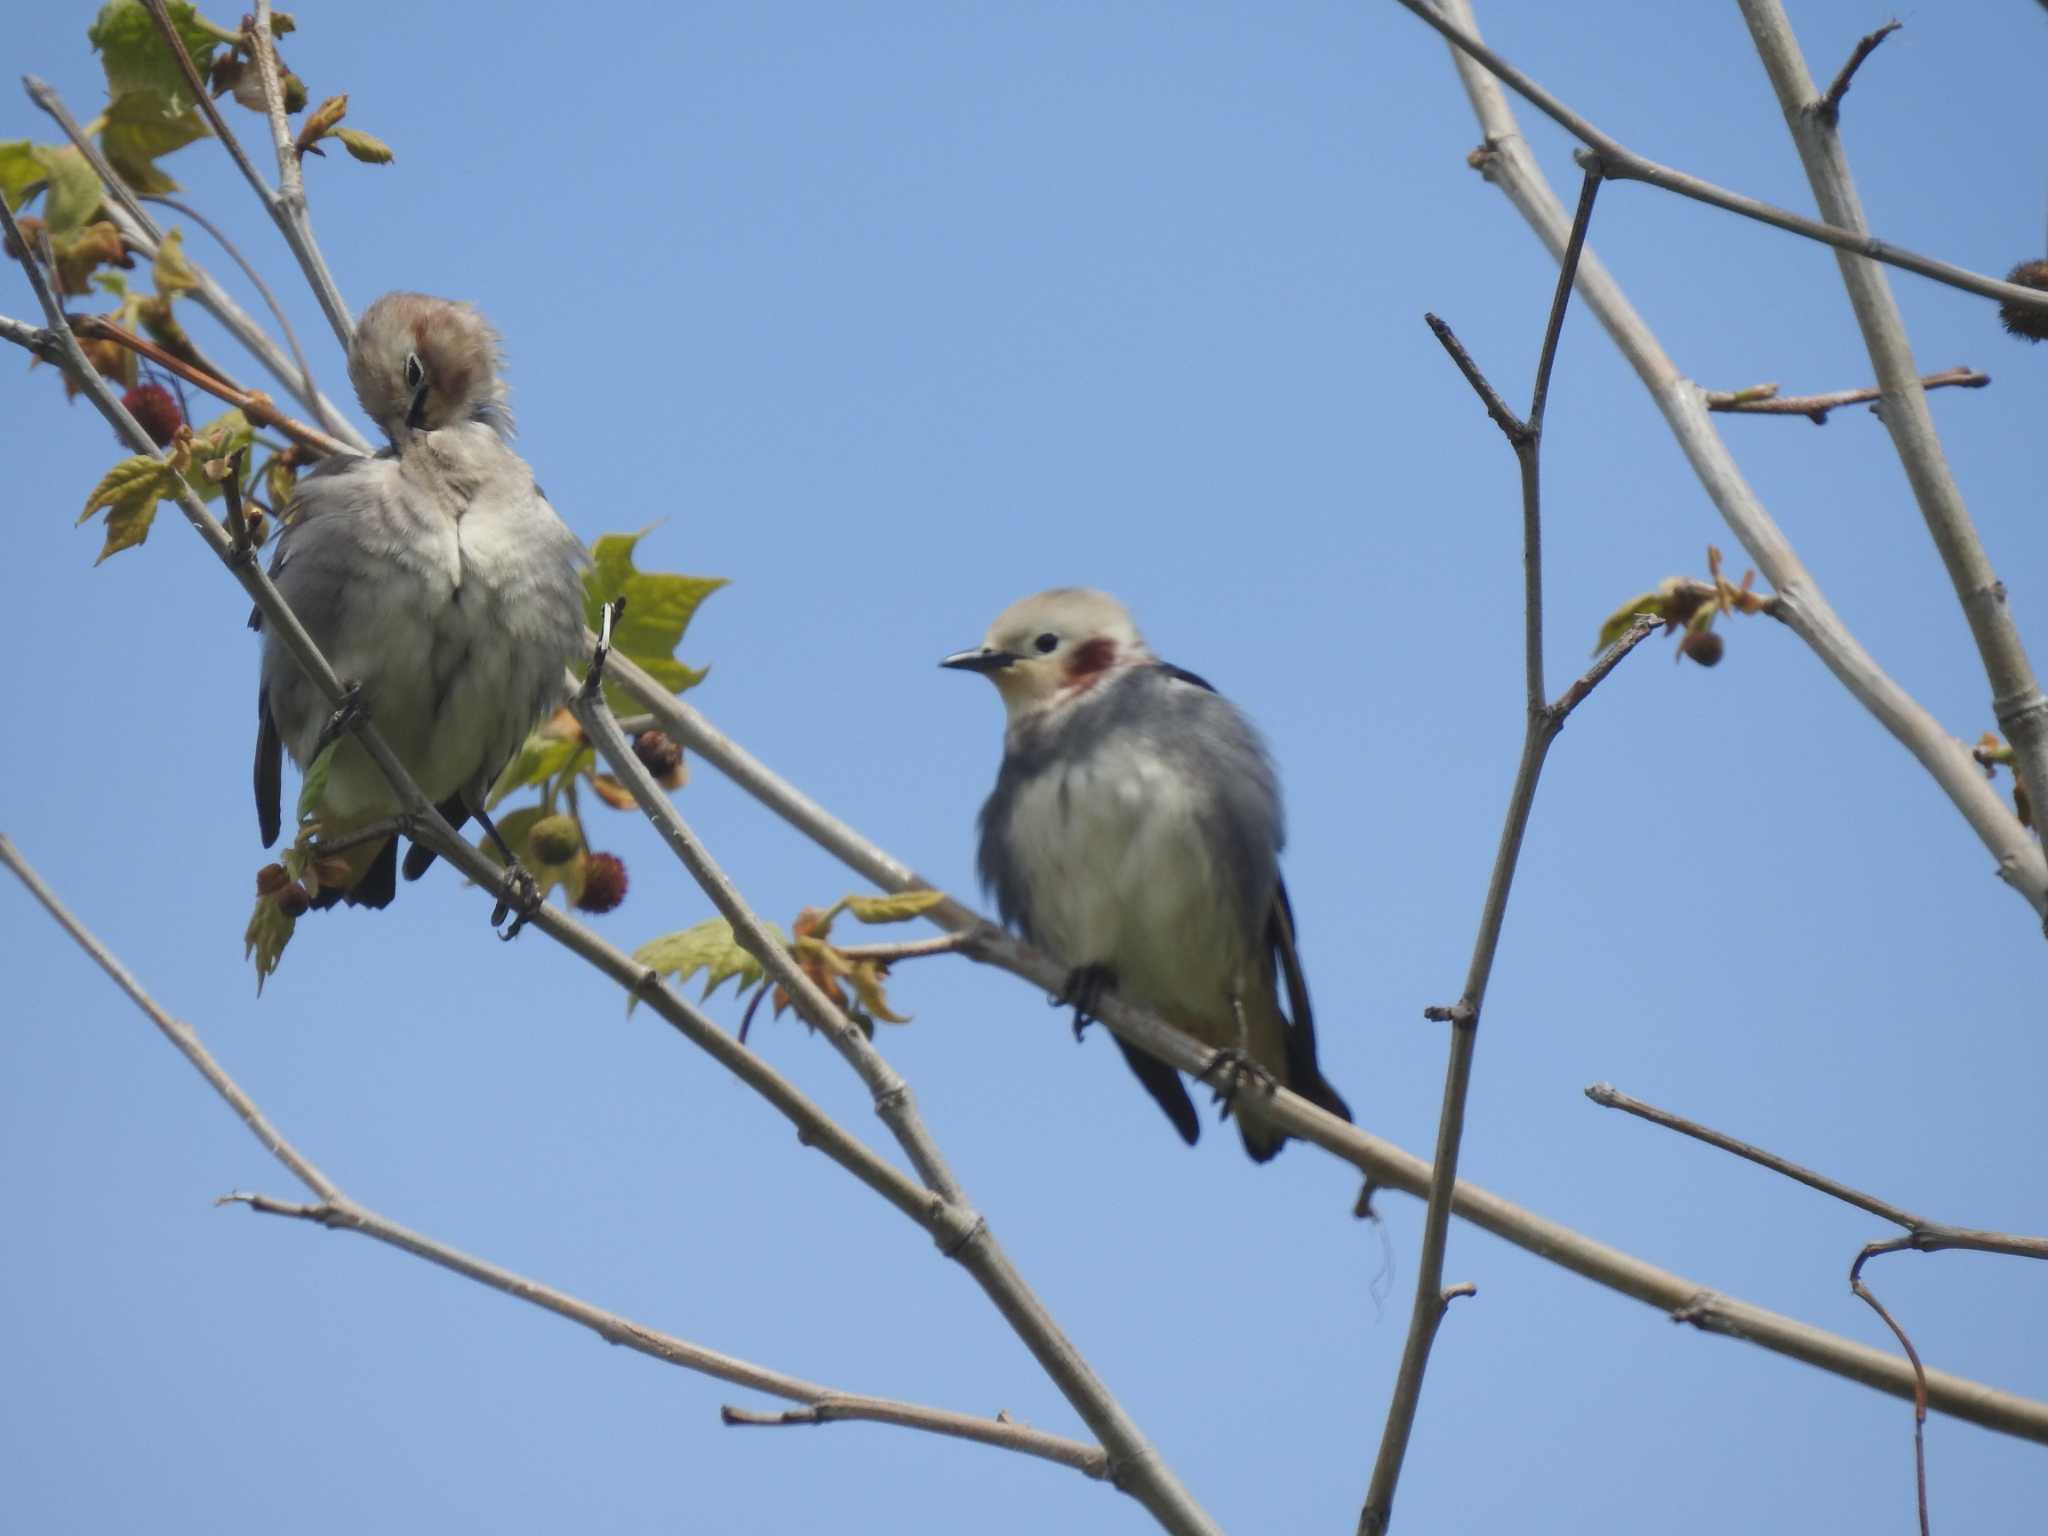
(1134, 834)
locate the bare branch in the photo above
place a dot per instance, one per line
(1452, 18)
(257, 407)
(2017, 701)
(905, 949)
(337, 1211)
(1506, 161)
(1540, 729)
(1090, 1460)
(1919, 1376)
(1829, 108)
(1384, 1164)
(1139, 1468)
(1922, 1235)
(288, 205)
(1764, 399)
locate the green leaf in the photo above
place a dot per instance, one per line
(264, 940)
(20, 169)
(368, 148)
(540, 758)
(659, 607)
(138, 129)
(1617, 623)
(218, 439)
(128, 478)
(708, 947)
(135, 57)
(898, 908)
(171, 272)
(111, 283)
(74, 195)
(314, 785)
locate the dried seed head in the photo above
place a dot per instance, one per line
(604, 882)
(2029, 323)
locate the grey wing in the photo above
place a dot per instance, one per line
(269, 771)
(1002, 873)
(1304, 1072)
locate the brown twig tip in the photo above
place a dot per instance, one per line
(1462, 1288)
(1764, 399)
(1829, 107)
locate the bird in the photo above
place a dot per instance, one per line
(434, 577)
(1134, 834)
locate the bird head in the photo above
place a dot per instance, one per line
(420, 363)
(1051, 648)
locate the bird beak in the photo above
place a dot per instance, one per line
(416, 418)
(981, 659)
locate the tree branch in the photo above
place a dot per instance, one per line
(1139, 1468)
(1541, 725)
(1453, 19)
(2016, 697)
(1764, 399)
(1383, 1163)
(1829, 108)
(336, 1210)
(1507, 163)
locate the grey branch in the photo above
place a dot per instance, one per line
(1507, 162)
(1453, 19)
(139, 230)
(1139, 1468)
(336, 1210)
(842, 1408)
(1922, 1234)
(1542, 722)
(1383, 1163)
(1764, 399)
(1829, 108)
(2016, 697)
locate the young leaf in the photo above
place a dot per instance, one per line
(129, 491)
(867, 986)
(314, 784)
(708, 947)
(19, 170)
(140, 128)
(319, 123)
(135, 57)
(898, 908)
(220, 438)
(364, 147)
(659, 608)
(264, 939)
(74, 195)
(172, 273)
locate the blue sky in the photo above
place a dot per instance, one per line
(892, 314)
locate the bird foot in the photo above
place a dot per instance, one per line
(1082, 992)
(349, 714)
(1230, 1069)
(520, 897)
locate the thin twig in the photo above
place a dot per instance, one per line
(1384, 1164)
(288, 205)
(1764, 399)
(141, 231)
(905, 949)
(1541, 726)
(336, 1210)
(1829, 108)
(1140, 1470)
(310, 392)
(1922, 1234)
(1621, 163)
(1508, 163)
(2017, 701)
(166, 30)
(251, 403)
(1919, 1377)
(841, 1408)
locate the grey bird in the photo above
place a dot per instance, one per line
(434, 577)
(1134, 834)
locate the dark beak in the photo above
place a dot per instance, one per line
(981, 659)
(416, 418)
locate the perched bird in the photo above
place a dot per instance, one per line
(1134, 834)
(434, 577)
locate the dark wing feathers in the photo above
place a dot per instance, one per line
(1304, 1073)
(269, 767)
(1167, 1089)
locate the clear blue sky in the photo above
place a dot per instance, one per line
(891, 314)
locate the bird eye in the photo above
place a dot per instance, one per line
(413, 371)
(1047, 643)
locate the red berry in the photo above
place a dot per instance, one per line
(155, 411)
(604, 882)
